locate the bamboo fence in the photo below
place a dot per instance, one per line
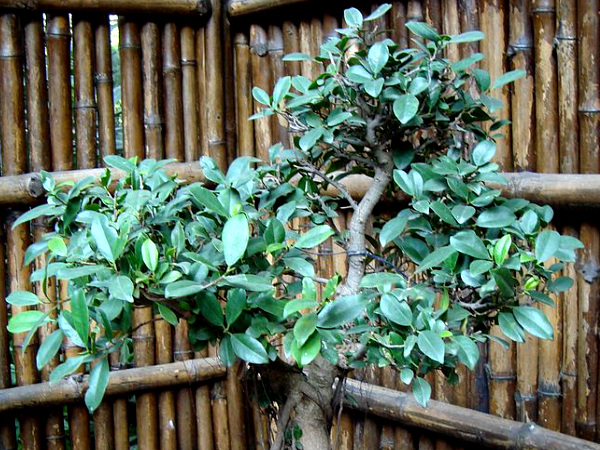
(186, 69)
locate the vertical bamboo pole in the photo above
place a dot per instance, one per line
(59, 89)
(388, 380)
(229, 84)
(546, 109)
(243, 91)
(186, 424)
(120, 419)
(219, 411)
(236, 408)
(398, 21)
(191, 128)
(201, 83)
(173, 101)
(131, 88)
(104, 88)
(85, 102)
(14, 159)
(522, 100)
(291, 44)
(204, 423)
(469, 21)
(414, 11)
(261, 77)
(40, 159)
(524, 155)
(215, 105)
(588, 284)
(433, 13)
(566, 53)
(275, 54)
(167, 421)
(451, 26)
(151, 73)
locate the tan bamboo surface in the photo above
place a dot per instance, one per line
(229, 87)
(202, 94)
(167, 425)
(261, 77)
(195, 7)
(191, 104)
(204, 426)
(243, 96)
(104, 88)
(186, 424)
(152, 78)
(220, 413)
(173, 101)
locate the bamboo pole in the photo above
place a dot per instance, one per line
(120, 416)
(201, 83)
(469, 21)
(291, 44)
(191, 127)
(186, 423)
(104, 88)
(433, 13)
(58, 39)
(398, 21)
(85, 102)
(167, 421)
(173, 100)
(40, 159)
(388, 380)
(237, 8)
(131, 88)
(121, 382)
(524, 156)
(243, 89)
(460, 423)
(275, 55)
(229, 84)
(215, 104)
(588, 283)
(196, 7)
(204, 423)
(566, 53)
(451, 26)
(219, 411)
(152, 78)
(261, 77)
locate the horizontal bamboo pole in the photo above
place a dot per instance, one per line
(197, 7)
(457, 422)
(560, 190)
(120, 383)
(237, 8)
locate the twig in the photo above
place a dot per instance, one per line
(309, 168)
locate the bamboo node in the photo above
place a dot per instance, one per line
(260, 49)
(11, 56)
(543, 10)
(216, 142)
(499, 376)
(103, 78)
(188, 62)
(84, 105)
(549, 393)
(567, 375)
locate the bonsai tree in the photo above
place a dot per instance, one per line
(422, 288)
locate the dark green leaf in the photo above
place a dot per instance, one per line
(392, 229)
(183, 288)
(206, 198)
(444, 213)
(469, 243)
(38, 211)
(510, 327)
(226, 353)
(432, 345)
(67, 368)
(423, 30)
(49, 348)
(395, 310)
(406, 107)
(105, 237)
(249, 349)
(97, 384)
(166, 313)
(436, 258)
(304, 327)
(308, 352)
(341, 311)
(314, 237)
(496, 217)
(534, 321)
(236, 303)
(80, 315)
(211, 310)
(422, 391)
(250, 282)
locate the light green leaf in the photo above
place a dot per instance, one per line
(71, 273)
(501, 249)
(479, 267)
(443, 212)
(49, 348)
(105, 237)
(392, 229)
(483, 153)
(462, 213)
(236, 234)
(508, 77)
(395, 310)
(66, 368)
(422, 391)
(464, 64)
(378, 56)
(423, 30)
(304, 327)
(69, 331)
(57, 246)
(80, 315)
(496, 217)
(300, 266)
(379, 12)
(469, 243)
(314, 237)
(406, 376)
(166, 313)
(468, 352)
(374, 87)
(469, 36)
(23, 298)
(341, 311)
(310, 138)
(282, 88)
(353, 18)
(432, 345)
(547, 244)
(297, 305)
(406, 107)
(150, 254)
(97, 384)
(249, 349)
(534, 321)
(373, 280)
(183, 288)
(250, 282)
(510, 327)
(207, 199)
(261, 96)
(38, 211)
(418, 85)
(436, 258)
(121, 287)
(297, 57)
(358, 74)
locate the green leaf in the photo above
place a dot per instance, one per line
(353, 18)
(183, 288)
(71, 273)
(97, 384)
(482, 78)
(341, 311)
(508, 77)
(38, 211)
(406, 376)
(469, 36)
(483, 153)
(418, 85)
(534, 321)
(211, 309)
(310, 139)
(166, 313)
(406, 107)
(314, 237)
(561, 284)
(501, 249)
(300, 266)
(249, 349)
(443, 212)
(57, 246)
(226, 353)
(68, 329)
(358, 74)
(547, 244)
(505, 281)
(105, 237)
(118, 162)
(496, 217)
(23, 298)
(378, 56)
(377, 279)
(254, 283)
(170, 277)
(463, 64)
(66, 368)
(468, 352)
(121, 287)
(304, 327)
(282, 88)
(432, 345)
(297, 57)
(479, 267)
(395, 310)
(24, 321)
(296, 305)
(236, 303)
(261, 96)
(305, 354)
(436, 258)
(392, 229)
(337, 116)
(374, 87)
(462, 213)
(510, 327)
(207, 199)
(423, 30)
(49, 348)
(150, 254)
(80, 315)
(379, 12)
(236, 234)
(422, 391)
